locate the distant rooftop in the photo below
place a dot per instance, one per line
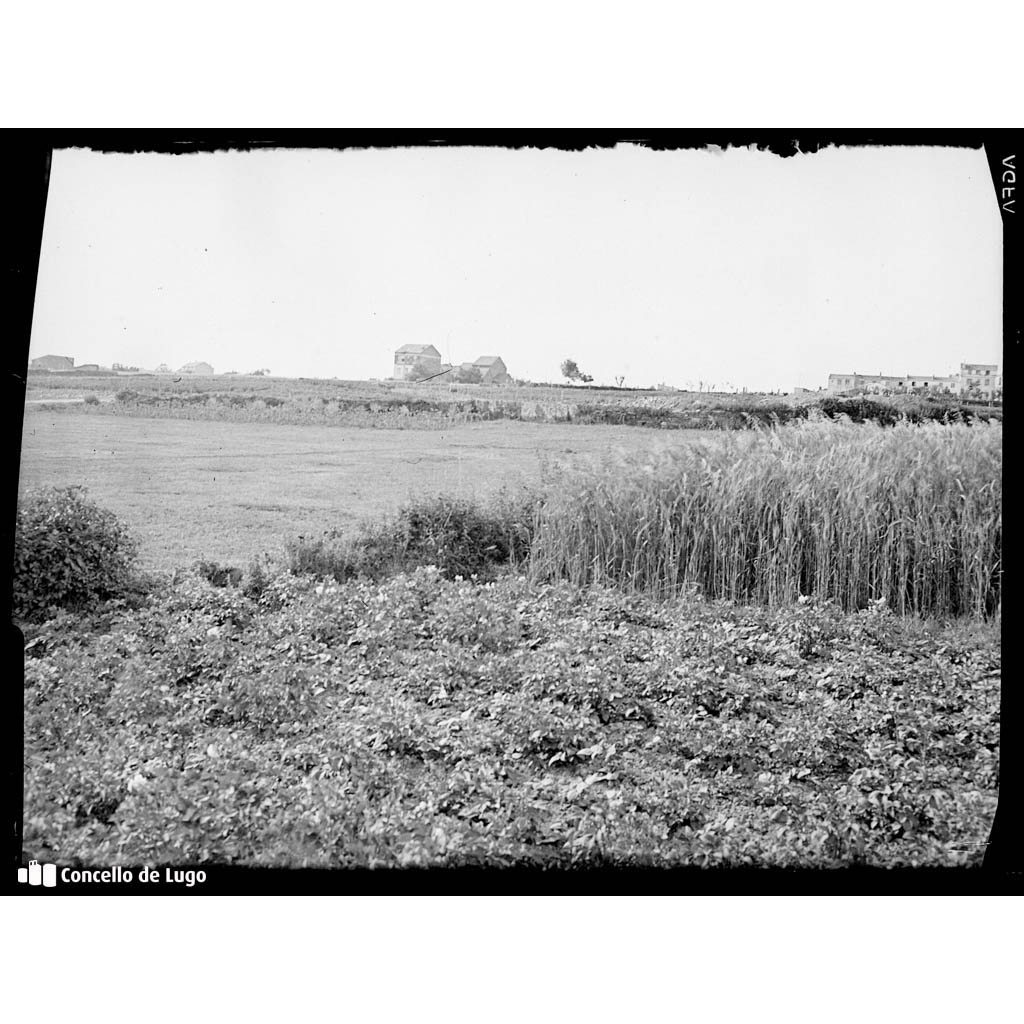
(418, 350)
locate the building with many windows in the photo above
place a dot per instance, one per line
(877, 384)
(980, 380)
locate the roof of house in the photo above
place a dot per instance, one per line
(419, 350)
(65, 359)
(488, 360)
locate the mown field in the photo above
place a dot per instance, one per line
(231, 491)
(775, 648)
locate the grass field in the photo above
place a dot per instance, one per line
(229, 491)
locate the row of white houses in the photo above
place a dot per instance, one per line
(66, 364)
(981, 379)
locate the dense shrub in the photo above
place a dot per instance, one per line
(257, 580)
(91, 400)
(736, 415)
(860, 409)
(919, 409)
(463, 538)
(458, 535)
(218, 575)
(69, 553)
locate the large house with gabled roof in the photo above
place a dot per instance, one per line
(408, 357)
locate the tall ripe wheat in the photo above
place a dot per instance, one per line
(852, 512)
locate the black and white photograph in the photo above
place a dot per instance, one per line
(465, 505)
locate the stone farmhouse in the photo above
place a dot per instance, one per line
(408, 357)
(492, 369)
(197, 369)
(57, 363)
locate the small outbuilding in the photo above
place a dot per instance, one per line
(492, 370)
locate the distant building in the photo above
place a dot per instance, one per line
(876, 384)
(56, 363)
(197, 369)
(492, 369)
(87, 368)
(982, 379)
(408, 357)
(163, 368)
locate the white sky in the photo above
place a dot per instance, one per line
(732, 268)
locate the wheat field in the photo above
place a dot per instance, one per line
(908, 515)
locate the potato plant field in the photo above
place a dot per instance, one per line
(423, 721)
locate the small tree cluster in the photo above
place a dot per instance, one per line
(572, 372)
(423, 371)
